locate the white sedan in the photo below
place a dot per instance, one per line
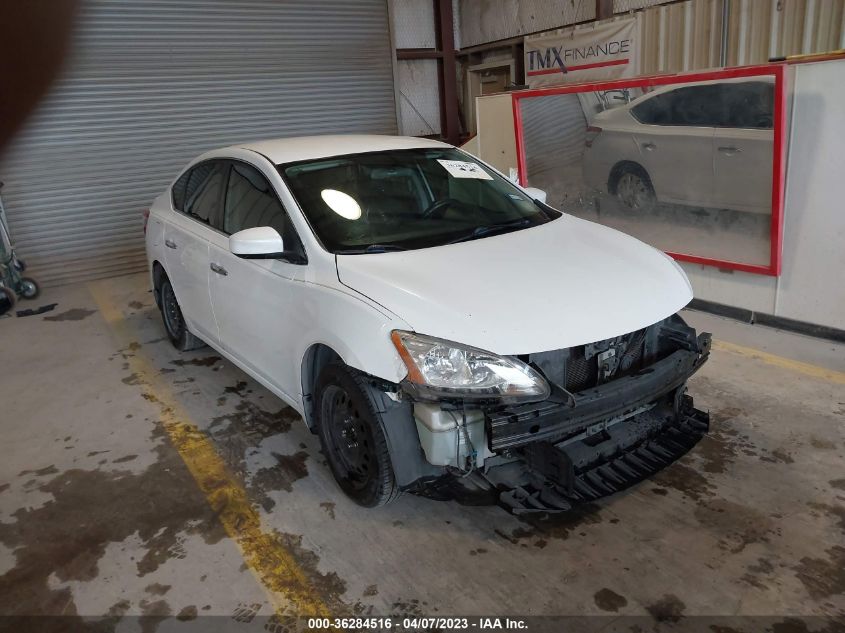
(707, 144)
(442, 329)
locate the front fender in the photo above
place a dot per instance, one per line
(357, 330)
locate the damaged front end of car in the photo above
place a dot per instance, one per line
(614, 412)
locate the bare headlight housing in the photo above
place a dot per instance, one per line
(439, 369)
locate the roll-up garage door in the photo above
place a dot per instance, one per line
(149, 85)
(554, 129)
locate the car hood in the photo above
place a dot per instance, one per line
(560, 284)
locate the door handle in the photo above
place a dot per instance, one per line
(649, 146)
(219, 269)
(170, 243)
(730, 151)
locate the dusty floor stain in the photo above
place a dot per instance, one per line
(720, 448)
(823, 577)
(834, 512)
(153, 613)
(328, 506)
(668, 609)
(778, 456)
(237, 433)
(135, 305)
(608, 600)
(685, 479)
(329, 586)
(288, 469)
(131, 379)
(157, 589)
(207, 361)
(239, 389)
(41, 472)
(826, 445)
(68, 535)
(559, 526)
(737, 526)
(187, 613)
(74, 314)
(759, 574)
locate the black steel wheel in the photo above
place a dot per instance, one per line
(174, 322)
(352, 437)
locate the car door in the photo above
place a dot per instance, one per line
(257, 302)
(675, 143)
(743, 147)
(197, 202)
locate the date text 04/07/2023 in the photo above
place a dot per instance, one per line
(417, 623)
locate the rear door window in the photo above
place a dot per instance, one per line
(749, 104)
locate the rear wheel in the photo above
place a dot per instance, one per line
(352, 437)
(7, 299)
(633, 188)
(174, 322)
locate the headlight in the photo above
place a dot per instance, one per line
(439, 368)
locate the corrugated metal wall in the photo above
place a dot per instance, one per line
(687, 35)
(490, 20)
(677, 36)
(152, 84)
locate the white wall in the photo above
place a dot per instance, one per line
(812, 286)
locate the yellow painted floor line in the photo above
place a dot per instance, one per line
(287, 585)
(807, 369)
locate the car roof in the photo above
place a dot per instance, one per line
(297, 148)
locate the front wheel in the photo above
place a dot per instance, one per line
(352, 437)
(29, 288)
(174, 322)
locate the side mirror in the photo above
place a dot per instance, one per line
(260, 242)
(537, 194)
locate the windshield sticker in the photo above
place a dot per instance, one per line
(462, 169)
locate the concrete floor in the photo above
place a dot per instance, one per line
(112, 501)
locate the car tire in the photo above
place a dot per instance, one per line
(7, 299)
(352, 437)
(174, 322)
(633, 189)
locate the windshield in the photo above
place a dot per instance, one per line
(407, 199)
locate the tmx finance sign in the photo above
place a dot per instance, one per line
(563, 60)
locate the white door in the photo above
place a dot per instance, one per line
(743, 166)
(258, 302)
(743, 147)
(675, 143)
(186, 238)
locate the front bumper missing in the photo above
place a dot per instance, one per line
(555, 478)
(552, 421)
(612, 437)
